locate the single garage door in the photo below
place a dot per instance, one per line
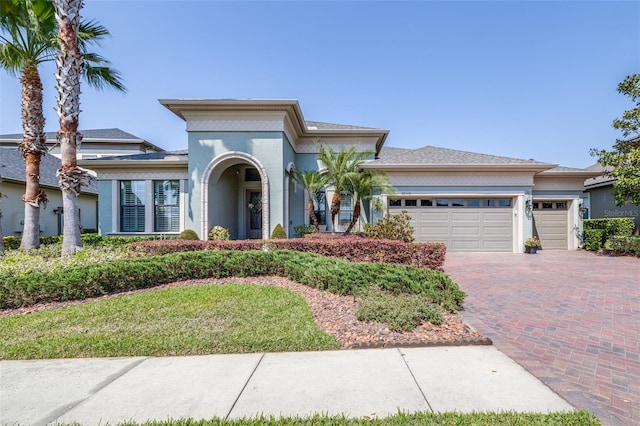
(461, 224)
(550, 224)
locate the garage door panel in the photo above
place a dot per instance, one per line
(431, 231)
(497, 216)
(434, 216)
(551, 228)
(464, 215)
(496, 231)
(462, 245)
(464, 229)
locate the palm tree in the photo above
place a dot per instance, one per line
(30, 38)
(341, 167)
(69, 66)
(363, 187)
(313, 183)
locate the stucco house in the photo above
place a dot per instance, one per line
(234, 174)
(599, 191)
(12, 185)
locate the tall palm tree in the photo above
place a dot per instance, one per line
(69, 66)
(341, 167)
(363, 186)
(29, 38)
(313, 182)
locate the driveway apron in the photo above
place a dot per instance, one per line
(572, 318)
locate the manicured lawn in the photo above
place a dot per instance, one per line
(576, 418)
(206, 319)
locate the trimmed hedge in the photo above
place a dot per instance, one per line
(593, 239)
(350, 248)
(610, 227)
(331, 274)
(94, 240)
(623, 245)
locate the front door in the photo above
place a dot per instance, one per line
(254, 216)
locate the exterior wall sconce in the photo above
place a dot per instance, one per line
(581, 208)
(528, 207)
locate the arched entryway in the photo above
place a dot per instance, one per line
(235, 195)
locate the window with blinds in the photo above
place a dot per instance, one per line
(132, 206)
(346, 208)
(166, 200)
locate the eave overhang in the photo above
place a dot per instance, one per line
(184, 107)
(456, 167)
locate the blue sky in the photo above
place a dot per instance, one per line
(525, 79)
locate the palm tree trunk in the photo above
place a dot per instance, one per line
(33, 147)
(69, 70)
(312, 214)
(335, 209)
(355, 217)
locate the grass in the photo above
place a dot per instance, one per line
(194, 320)
(575, 418)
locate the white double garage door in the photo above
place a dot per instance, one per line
(481, 229)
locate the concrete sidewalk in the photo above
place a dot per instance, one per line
(373, 382)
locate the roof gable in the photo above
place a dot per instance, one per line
(13, 167)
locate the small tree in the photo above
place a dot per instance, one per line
(313, 182)
(363, 187)
(623, 162)
(340, 166)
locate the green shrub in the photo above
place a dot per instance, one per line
(50, 239)
(623, 245)
(613, 226)
(188, 234)
(325, 273)
(11, 243)
(593, 239)
(89, 231)
(302, 230)
(402, 312)
(391, 227)
(278, 233)
(218, 233)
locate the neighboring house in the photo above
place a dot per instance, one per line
(234, 174)
(599, 192)
(95, 143)
(12, 184)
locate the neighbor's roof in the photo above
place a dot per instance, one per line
(13, 168)
(177, 157)
(570, 171)
(600, 180)
(91, 135)
(436, 157)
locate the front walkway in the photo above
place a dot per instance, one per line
(572, 318)
(356, 383)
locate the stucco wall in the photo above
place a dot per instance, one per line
(12, 209)
(265, 147)
(603, 205)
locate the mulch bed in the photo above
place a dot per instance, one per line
(334, 314)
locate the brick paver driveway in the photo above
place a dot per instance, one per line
(572, 318)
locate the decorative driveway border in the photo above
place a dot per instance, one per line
(572, 318)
